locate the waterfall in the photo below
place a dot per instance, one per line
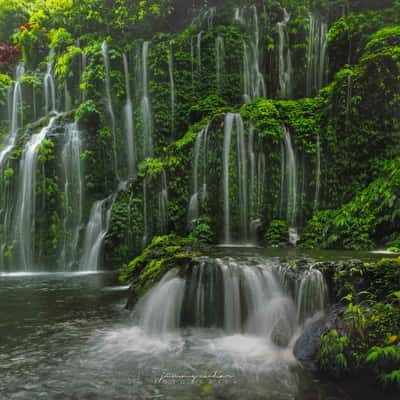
(253, 79)
(109, 103)
(16, 114)
(317, 174)
(128, 123)
(238, 296)
(219, 56)
(83, 67)
(160, 310)
(316, 54)
(49, 90)
(242, 172)
(285, 58)
(226, 158)
(7, 201)
(198, 50)
(163, 202)
(235, 121)
(26, 216)
(349, 98)
(95, 233)
(261, 171)
(256, 185)
(73, 194)
(312, 294)
(67, 98)
(192, 59)
(146, 231)
(199, 193)
(147, 118)
(206, 18)
(209, 16)
(291, 186)
(172, 87)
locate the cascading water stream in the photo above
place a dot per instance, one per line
(291, 187)
(163, 202)
(316, 54)
(67, 98)
(239, 296)
(16, 114)
(172, 87)
(73, 195)
(147, 118)
(317, 174)
(109, 104)
(83, 68)
(198, 50)
(285, 58)
(146, 228)
(199, 193)
(159, 311)
(192, 60)
(129, 124)
(253, 79)
(219, 56)
(25, 218)
(95, 233)
(311, 294)
(49, 90)
(226, 158)
(235, 121)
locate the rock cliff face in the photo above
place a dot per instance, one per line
(235, 122)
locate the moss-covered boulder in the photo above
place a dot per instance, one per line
(160, 256)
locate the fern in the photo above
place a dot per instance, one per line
(388, 353)
(392, 377)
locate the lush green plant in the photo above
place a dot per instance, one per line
(160, 256)
(202, 231)
(332, 354)
(277, 233)
(46, 150)
(386, 362)
(8, 173)
(87, 112)
(355, 320)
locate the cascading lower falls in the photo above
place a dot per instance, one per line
(247, 297)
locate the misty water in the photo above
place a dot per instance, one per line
(69, 336)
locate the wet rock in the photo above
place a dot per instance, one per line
(308, 344)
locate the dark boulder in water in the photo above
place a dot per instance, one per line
(307, 345)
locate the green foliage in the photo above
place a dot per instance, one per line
(151, 167)
(64, 68)
(12, 14)
(207, 107)
(358, 224)
(277, 233)
(8, 173)
(332, 354)
(265, 117)
(378, 280)
(46, 150)
(5, 83)
(60, 38)
(87, 113)
(386, 362)
(160, 256)
(355, 320)
(31, 80)
(202, 231)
